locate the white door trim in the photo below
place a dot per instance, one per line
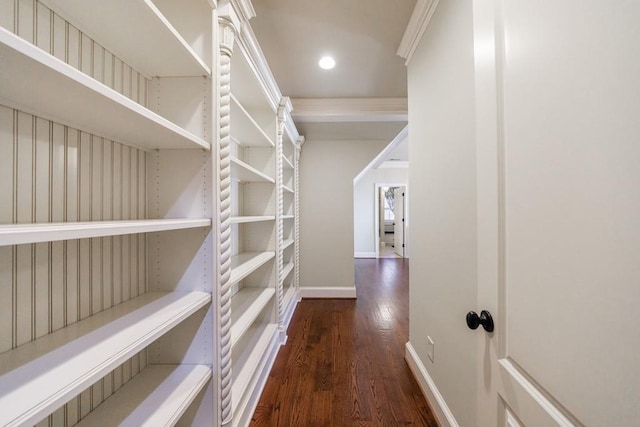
(376, 220)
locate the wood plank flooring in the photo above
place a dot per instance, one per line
(343, 364)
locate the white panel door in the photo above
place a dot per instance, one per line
(399, 221)
(558, 127)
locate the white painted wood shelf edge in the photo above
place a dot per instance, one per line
(246, 306)
(289, 294)
(243, 376)
(287, 243)
(245, 130)
(158, 396)
(287, 189)
(243, 172)
(246, 263)
(244, 219)
(16, 234)
(38, 83)
(132, 29)
(286, 162)
(41, 376)
(288, 268)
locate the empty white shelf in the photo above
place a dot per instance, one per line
(287, 269)
(41, 376)
(253, 360)
(286, 163)
(243, 219)
(158, 396)
(244, 128)
(131, 29)
(246, 306)
(287, 216)
(243, 172)
(246, 263)
(287, 189)
(16, 234)
(39, 83)
(287, 243)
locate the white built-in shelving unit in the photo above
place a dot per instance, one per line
(148, 238)
(106, 245)
(259, 202)
(254, 266)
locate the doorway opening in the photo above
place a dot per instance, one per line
(390, 220)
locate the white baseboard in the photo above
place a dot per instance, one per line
(328, 292)
(364, 255)
(429, 389)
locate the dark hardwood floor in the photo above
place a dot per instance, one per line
(343, 364)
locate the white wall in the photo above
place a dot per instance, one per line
(327, 170)
(442, 204)
(364, 205)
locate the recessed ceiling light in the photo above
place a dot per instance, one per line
(327, 62)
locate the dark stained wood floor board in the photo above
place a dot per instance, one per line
(343, 364)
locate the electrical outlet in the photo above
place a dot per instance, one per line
(430, 348)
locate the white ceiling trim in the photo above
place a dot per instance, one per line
(418, 23)
(350, 109)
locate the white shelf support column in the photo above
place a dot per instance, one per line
(227, 31)
(296, 224)
(284, 108)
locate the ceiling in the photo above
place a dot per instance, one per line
(363, 37)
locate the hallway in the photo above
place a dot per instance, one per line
(343, 364)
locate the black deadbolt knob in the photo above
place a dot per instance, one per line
(485, 319)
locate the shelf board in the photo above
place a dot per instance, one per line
(246, 263)
(41, 376)
(244, 128)
(245, 370)
(132, 29)
(286, 163)
(287, 189)
(16, 234)
(244, 219)
(287, 243)
(288, 295)
(246, 306)
(287, 269)
(287, 217)
(243, 172)
(158, 396)
(35, 82)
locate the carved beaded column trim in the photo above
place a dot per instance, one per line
(279, 219)
(227, 35)
(296, 201)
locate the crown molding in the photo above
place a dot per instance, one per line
(284, 114)
(350, 109)
(244, 9)
(418, 23)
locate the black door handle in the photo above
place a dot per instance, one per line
(485, 319)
